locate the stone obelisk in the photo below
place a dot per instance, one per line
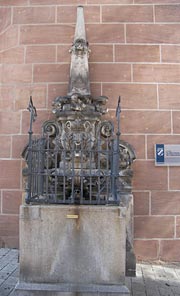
(79, 69)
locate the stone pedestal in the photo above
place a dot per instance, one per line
(72, 250)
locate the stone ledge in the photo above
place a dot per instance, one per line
(23, 289)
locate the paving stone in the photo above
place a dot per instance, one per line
(152, 292)
(170, 273)
(5, 290)
(4, 251)
(137, 293)
(128, 283)
(177, 270)
(165, 292)
(16, 272)
(138, 270)
(12, 281)
(176, 290)
(4, 275)
(9, 268)
(138, 287)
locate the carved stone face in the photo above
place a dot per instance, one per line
(80, 46)
(77, 135)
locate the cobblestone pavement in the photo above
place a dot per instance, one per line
(9, 270)
(155, 280)
(150, 280)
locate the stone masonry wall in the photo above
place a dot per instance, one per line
(135, 48)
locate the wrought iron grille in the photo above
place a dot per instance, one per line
(83, 173)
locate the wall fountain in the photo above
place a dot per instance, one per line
(76, 234)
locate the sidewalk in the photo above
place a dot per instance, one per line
(151, 279)
(9, 270)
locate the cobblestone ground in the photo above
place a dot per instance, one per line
(150, 280)
(9, 271)
(155, 280)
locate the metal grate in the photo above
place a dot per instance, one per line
(83, 174)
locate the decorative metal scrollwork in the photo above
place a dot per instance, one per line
(50, 128)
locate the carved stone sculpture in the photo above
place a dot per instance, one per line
(82, 158)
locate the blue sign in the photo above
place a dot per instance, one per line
(159, 153)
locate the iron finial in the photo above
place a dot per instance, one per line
(32, 109)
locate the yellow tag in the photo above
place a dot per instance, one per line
(72, 216)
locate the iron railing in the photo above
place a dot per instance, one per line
(74, 170)
(83, 176)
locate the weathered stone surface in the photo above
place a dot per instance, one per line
(70, 290)
(66, 249)
(79, 69)
(130, 255)
(82, 246)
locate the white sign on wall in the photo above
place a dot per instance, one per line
(167, 154)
